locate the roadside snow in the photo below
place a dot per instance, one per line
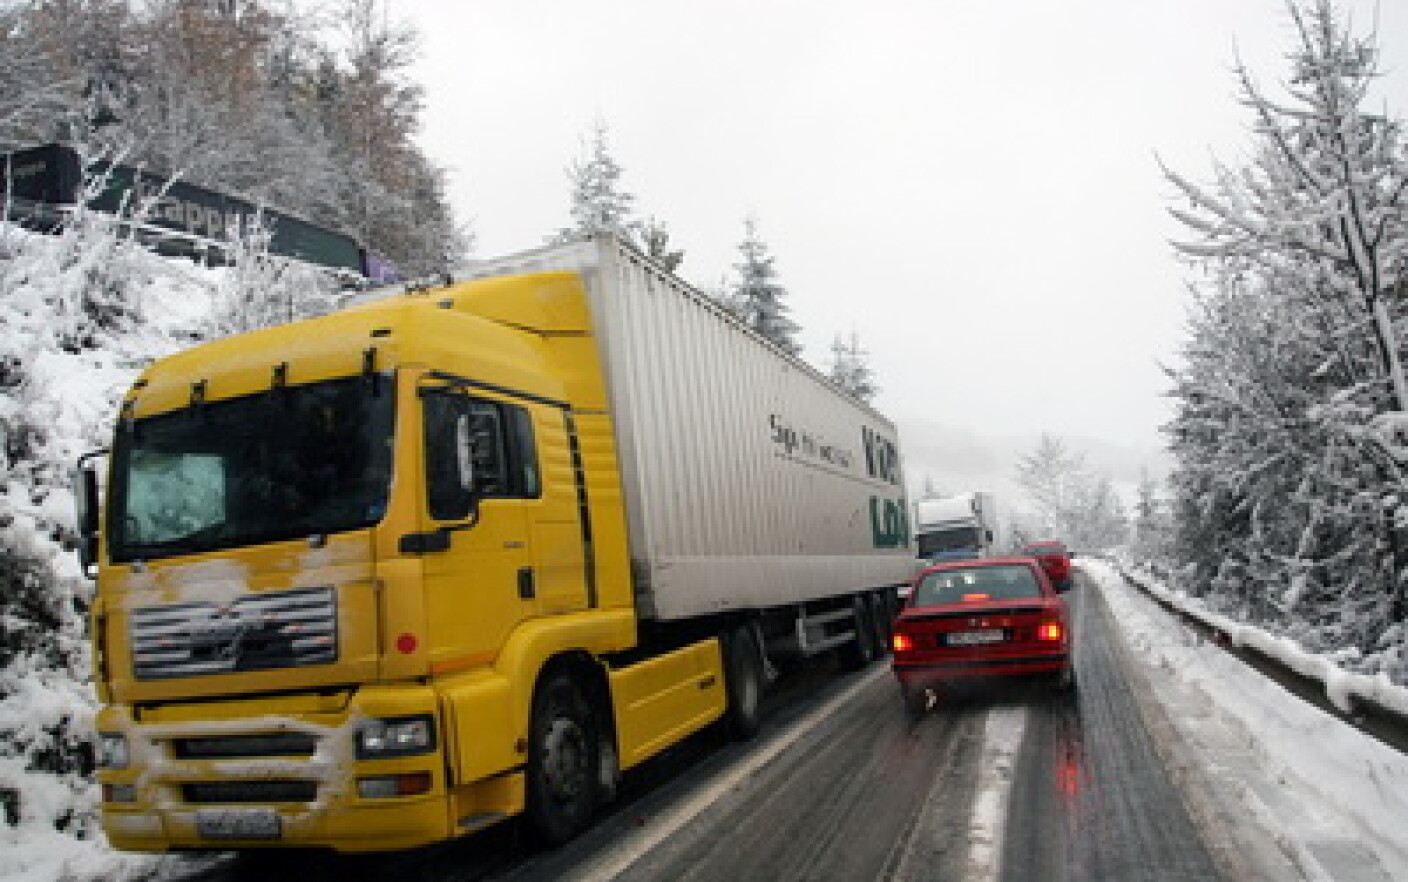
(1333, 799)
(1341, 686)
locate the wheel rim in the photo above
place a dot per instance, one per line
(565, 766)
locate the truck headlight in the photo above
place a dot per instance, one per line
(112, 750)
(397, 736)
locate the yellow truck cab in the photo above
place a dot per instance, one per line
(380, 578)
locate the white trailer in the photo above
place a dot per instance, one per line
(751, 481)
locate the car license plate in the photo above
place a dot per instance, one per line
(976, 638)
(239, 824)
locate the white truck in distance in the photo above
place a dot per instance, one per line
(965, 522)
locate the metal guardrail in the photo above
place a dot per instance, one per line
(1385, 724)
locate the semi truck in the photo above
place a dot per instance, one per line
(467, 552)
(961, 523)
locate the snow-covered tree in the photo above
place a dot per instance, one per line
(1069, 500)
(312, 115)
(850, 368)
(1098, 522)
(30, 97)
(80, 312)
(600, 203)
(259, 289)
(655, 236)
(758, 296)
(1051, 475)
(1288, 488)
(72, 324)
(1151, 525)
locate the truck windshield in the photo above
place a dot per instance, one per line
(950, 539)
(282, 464)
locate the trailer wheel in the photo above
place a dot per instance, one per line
(743, 682)
(880, 618)
(860, 651)
(563, 760)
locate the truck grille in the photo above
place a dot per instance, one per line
(280, 744)
(222, 792)
(272, 629)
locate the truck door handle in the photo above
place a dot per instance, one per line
(527, 590)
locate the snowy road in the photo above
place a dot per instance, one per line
(1009, 783)
(1174, 761)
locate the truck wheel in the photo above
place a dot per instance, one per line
(563, 761)
(743, 682)
(880, 618)
(860, 651)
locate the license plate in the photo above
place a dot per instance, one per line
(976, 638)
(239, 824)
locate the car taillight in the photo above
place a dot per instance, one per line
(901, 642)
(1049, 631)
(976, 598)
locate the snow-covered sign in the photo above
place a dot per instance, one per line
(44, 181)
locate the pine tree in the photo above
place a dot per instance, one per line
(599, 203)
(655, 235)
(850, 368)
(758, 295)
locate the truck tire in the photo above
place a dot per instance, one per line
(880, 618)
(563, 760)
(743, 683)
(860, 651)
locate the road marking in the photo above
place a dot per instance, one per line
(630, 849)
(1001, 739)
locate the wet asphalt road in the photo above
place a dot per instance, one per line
(866, 793)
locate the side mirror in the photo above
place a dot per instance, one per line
(451, 484)
(85, 495)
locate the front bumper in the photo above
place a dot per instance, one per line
(297, 784)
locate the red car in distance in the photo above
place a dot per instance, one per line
(1055, 559)
(993, 617)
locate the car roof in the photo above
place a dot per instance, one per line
(978, 562)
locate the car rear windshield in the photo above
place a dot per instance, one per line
(1005, 582)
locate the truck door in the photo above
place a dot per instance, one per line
(481, 478)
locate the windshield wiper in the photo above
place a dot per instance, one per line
(204, 539)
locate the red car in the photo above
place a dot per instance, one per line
(1055, 559)
(994, 617)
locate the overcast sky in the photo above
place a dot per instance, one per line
(971, 186)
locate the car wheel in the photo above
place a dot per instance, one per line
(743, 683)
(916, 700)
(563, 761)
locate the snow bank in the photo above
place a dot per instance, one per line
(81, 313)
(1334, 797)
(1341, 687)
